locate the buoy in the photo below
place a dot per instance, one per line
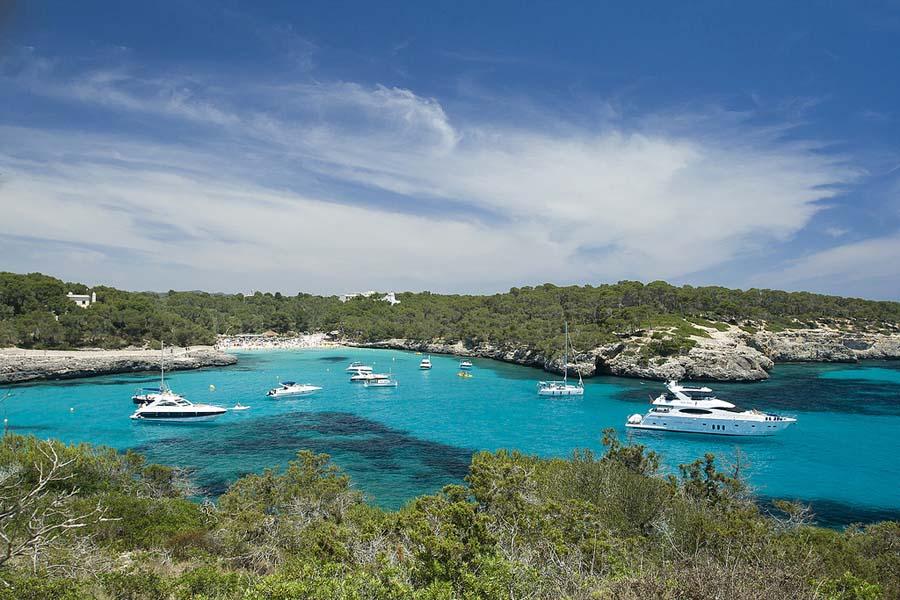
(212, 388)
(72, 409)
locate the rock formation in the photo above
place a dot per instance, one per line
(27, 365)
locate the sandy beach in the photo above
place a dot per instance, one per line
(248, 342)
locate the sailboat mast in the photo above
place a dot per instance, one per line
(162, 366)
(566, 356)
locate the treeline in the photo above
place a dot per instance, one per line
(34, 312)
(82, 522)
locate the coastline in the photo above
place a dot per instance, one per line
(720, 354)
(730, 354)
(19, 365)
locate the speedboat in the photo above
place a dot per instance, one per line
(425, 363)
(363, 377)
(358, 367)
(145, 395)
(698, 410)
(465, 365)
(172, 408)
(381, 381)
(562, 388)
(292, 388)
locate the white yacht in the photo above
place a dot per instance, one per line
(381, 381)
(358, 367)
(425, 363)
(465, 365)
(697, 410)
(562, 388)
(364, 376)
(172, 408)
(149, 394)
(292, 388)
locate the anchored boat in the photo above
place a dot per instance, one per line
(698, 410)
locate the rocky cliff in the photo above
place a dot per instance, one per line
(27, 365)
(726, 354)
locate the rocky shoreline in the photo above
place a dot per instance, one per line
(17, 365)
(734, 354)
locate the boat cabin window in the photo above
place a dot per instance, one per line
(695, 411)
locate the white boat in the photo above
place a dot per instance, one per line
(149, 394)
(172, 408)
(698, 410)
(425, 363)
(562, 388)
(363, 377)
(358, 367)
(292, 388)
(239, 406)
(465, 365)
(381, 381)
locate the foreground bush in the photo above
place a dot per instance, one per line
(83, 522)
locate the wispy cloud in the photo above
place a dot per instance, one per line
(340, 184)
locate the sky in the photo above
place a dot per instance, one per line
(462, 147)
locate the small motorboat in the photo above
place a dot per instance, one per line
(292, 388)
(172, 408)
(465, 365)
(381, 381)
(364, 377)
(425, 364)
(465, 375)
(239, 406)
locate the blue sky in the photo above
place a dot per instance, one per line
(456, 147)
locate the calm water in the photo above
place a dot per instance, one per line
(842, 456)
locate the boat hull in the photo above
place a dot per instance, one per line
(711, 426)
(578, 392)
(289, 394)
(167, 418)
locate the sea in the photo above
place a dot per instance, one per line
(842, 457)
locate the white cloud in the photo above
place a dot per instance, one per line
(868, 268)
(529, 203)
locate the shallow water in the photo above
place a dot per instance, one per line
(397, 443)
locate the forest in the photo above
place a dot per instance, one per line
(35, 313)
(85, 522)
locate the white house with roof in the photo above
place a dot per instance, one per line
(82, 300)
(390, 297)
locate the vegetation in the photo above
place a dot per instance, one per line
(84, 522)
(35, 313)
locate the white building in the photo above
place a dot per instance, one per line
(389, 297)
(82, 300)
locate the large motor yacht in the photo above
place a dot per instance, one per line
(358, 367)
(292, 388)
(698, 410)
(562, 388)
(425, 363)
(171, 407)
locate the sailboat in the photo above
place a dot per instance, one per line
(562, 388)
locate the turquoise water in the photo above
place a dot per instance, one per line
(397, 443)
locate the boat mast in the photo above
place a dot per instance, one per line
(162, 367)
(566, 357)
